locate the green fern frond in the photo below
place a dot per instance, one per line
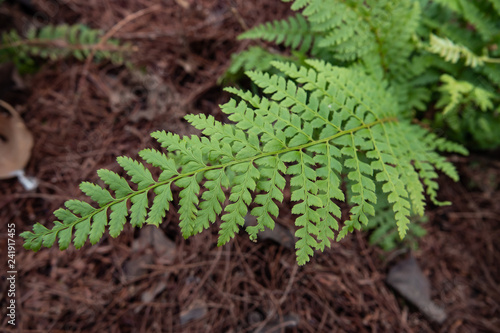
(254, 58)
(298, 4)
(316, 125)
(476, 14)
(469, 112)
(348, 30)
(479, 18)
(454, 5)
(382, 229)
(492, 73)
(452, 52)
(56, 42)
(496, 5)
(348, 41)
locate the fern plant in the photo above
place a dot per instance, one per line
(469, 79)
(411, 44)
(57, 42)
(255, 58)
(383, 232)
(373, 35)
(321, 126)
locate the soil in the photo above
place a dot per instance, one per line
(84, 115)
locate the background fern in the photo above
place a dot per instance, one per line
(294, 32)
(382, 231)
(57, 42)
(473, 64)
(376, 34)
(317, 125)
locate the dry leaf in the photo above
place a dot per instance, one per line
(16, 142)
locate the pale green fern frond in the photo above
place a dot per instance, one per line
(293, 32)
(376, 36)
(469, 111)
(455, 93)
(321, 126)
(453, 52)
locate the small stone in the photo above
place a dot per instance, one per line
(197, 310)
(409, 280)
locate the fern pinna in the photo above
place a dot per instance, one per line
(321, 125)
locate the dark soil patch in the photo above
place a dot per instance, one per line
(84, 117)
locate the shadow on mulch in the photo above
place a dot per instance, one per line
(83, 118)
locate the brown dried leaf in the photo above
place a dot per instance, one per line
(16, 142)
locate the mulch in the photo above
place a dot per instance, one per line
(84, 115)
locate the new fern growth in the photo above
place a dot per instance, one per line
(320, 125)
(469, 81)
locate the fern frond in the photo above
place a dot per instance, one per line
(316, 125)
(377, 34)
(476, 15)
(496, 5)
(254, 58)
(348, 41)
(56, 42)
(452, 52)
(491, 72)
(455, 93)
(383, 232)
(298, 4)
(480, 19)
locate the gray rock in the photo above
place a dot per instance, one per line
(409, 280)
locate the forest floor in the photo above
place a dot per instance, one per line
(152, 280)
